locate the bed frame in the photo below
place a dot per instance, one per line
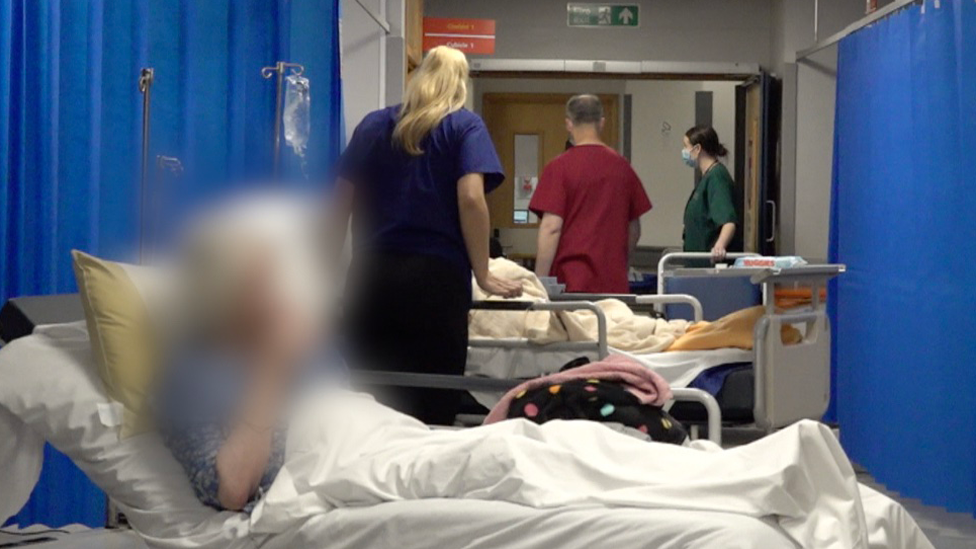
(600, 346)
(792, 382)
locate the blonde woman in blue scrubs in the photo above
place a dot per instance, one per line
(414, 179)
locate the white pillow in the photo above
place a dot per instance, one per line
(49, 383)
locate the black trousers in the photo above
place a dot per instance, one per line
(409, 313)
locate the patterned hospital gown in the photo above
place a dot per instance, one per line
(194, 409)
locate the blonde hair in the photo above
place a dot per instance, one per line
(438, 88)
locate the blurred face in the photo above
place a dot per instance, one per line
(263, 320)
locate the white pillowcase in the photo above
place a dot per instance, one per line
(49, 384)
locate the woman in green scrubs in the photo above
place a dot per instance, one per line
(710, 216)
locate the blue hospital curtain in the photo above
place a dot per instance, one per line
(903, 219)
(70, 126)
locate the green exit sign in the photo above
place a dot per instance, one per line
(586, 14)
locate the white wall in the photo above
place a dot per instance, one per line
(656, 153)
(363, 62)
(372, 61)
(815, 94)
(671, 30)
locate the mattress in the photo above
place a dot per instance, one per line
(468, 524)
(488, 524)
(461, 524)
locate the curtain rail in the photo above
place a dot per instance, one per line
(893, 7)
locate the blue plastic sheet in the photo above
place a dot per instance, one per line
(903, 219)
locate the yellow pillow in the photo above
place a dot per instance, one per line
(120, 333)
(732, 330)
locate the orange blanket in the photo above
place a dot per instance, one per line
(734, 330)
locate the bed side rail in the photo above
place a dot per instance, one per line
(475, 383)
(714, 413)
(601, 346)
(667, 259)
(635, 301)
(665, 271)
(792, 381)
(674, 299)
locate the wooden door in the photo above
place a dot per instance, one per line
(414, 34)
(529, 118)
(757, 175)
(752, 235)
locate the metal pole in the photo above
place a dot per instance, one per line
(277, 125)
(151, 215)
(146, 76)
(267, 72)
(816, 21)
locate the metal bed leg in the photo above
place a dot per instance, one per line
(711, 408)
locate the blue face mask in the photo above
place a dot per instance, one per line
(686, 156)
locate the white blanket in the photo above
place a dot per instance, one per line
(347, 451)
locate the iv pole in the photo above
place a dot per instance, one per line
(146, 76)
(268, 72)
(147, 214)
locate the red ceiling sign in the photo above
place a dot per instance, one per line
(475, 36)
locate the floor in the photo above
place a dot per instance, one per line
(945, 530)
(80, 538)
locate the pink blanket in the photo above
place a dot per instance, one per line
(648, 386)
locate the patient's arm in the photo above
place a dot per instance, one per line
(242, 460)
(550, 230)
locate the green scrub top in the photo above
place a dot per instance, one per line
(709, 207)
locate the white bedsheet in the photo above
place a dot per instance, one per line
(680, 368)
(166, 512)
(354, 453)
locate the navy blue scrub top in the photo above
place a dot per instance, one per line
(409, 204)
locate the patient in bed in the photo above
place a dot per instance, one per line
(253, 369)
(248, 348)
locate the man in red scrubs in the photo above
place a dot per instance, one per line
(590, 201)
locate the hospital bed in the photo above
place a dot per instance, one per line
(153, 491)
(49, 391)
(478, 381)
(787, 382)
(769, 387)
